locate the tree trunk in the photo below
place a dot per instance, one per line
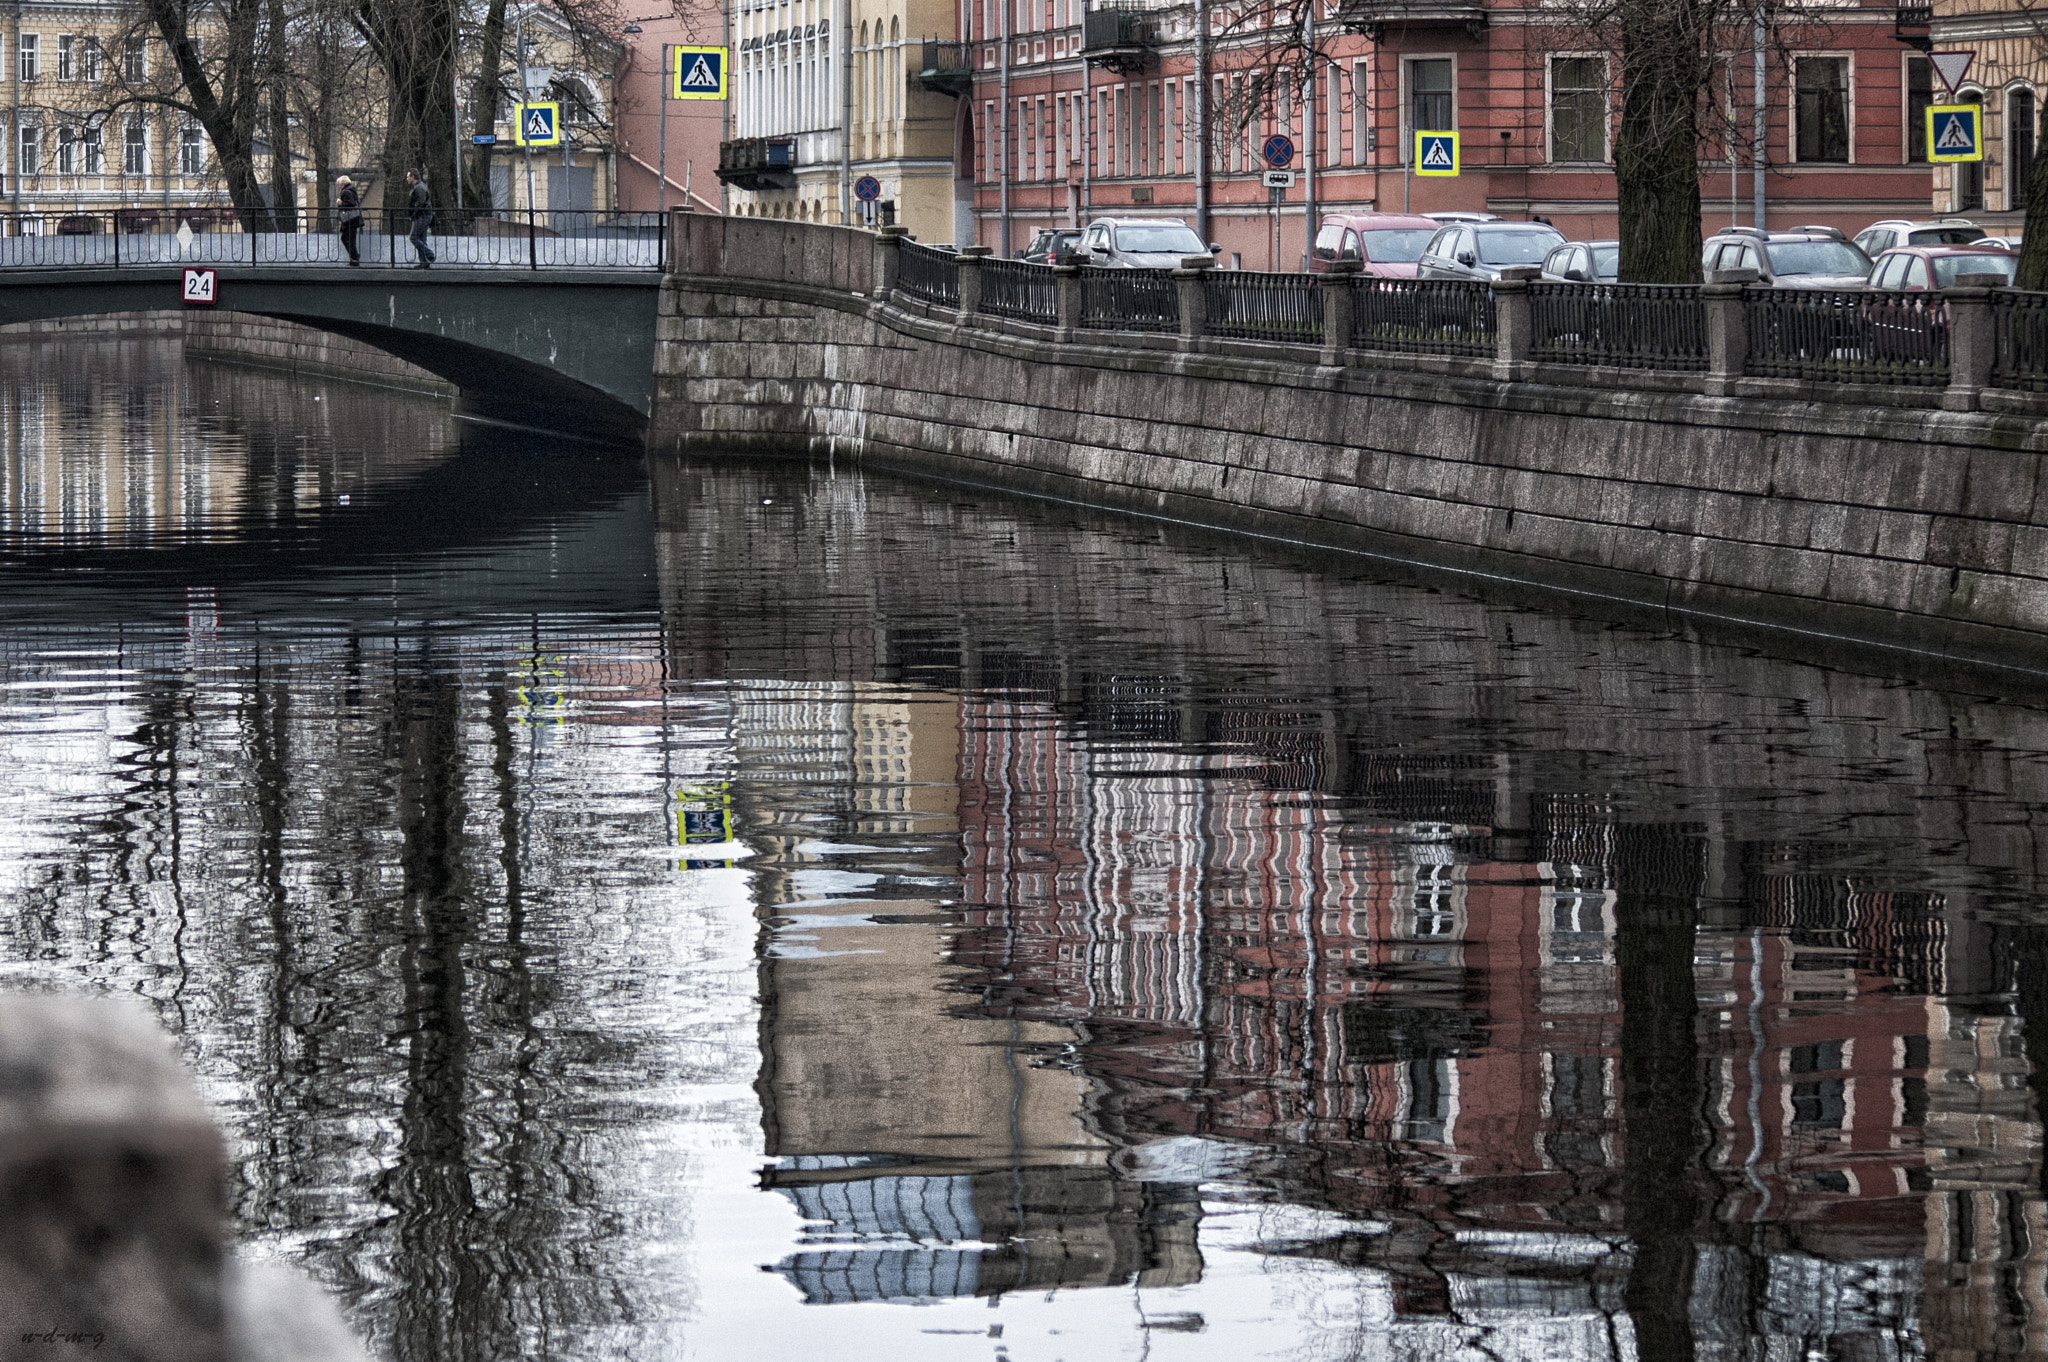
(483, 101)
(283, 198)
(229, 122)
(2034, 236)
(417, 44)
(1656, 164)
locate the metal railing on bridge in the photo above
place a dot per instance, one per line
(214, 235)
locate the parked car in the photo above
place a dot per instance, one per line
(1803, 258)
(1468, 250)
(1880, 237)
(1383, 244)
(1049, 244)
(1584, 262)
(1457, 216)
(2004, 243)
(1912, 268)
(1140, 243)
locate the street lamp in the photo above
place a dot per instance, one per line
(519, 119)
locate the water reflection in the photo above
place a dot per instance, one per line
(758, 911)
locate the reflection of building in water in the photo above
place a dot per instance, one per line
(933, 1155)
(1433, 1040)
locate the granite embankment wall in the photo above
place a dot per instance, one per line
(243, 338)
(1909, 527)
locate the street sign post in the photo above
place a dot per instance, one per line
(1436, 153)
(539, 125)
(200, 288)
(699, 73)
(1955, 132)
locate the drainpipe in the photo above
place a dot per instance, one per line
(1202, 122)
(1087, 134)
(1308, 136)
(14, 127)
(843, 27)
(1002, 127)
(1757, 129)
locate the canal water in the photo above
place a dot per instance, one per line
(729, 910)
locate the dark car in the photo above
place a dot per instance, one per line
(1481, 250)
(1049, 244)
(1584, 262)
(1806, 257)
(1384, 245)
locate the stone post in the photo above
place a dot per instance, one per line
(1721, 297)
(970, 281)
(1340, 295)
(1066, 283)
(1193, 296)
(1972, 339)
(887, 261)
(1513, 327)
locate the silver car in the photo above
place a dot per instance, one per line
(1140, 243)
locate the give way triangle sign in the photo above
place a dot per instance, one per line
(1950, 66)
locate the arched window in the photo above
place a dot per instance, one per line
(2020, 127)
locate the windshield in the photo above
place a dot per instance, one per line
(1790, 258)
(1516, 248)
(1159, 241)
(1946, 236)
(1948, 268)
(1607, 262)
(1396, 245)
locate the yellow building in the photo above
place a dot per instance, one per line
(812, 118)
(2006, 76)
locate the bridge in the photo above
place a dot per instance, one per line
(534, 325)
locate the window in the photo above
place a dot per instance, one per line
(1361, 117)
(31, 162)
(135, 61)
(89, 66)
(1578, 109)
(93, 144)
(2019, 147)
(1919, 94)
(1430, 106)
(192, 150)
(135, 147)
(67, 57)
(31, 56)
(67, 150)
(1821, 109)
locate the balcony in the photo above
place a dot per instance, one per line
(948, 67)
(1119, 39)
(1374, 17)
(1913, 25)
(758, 163)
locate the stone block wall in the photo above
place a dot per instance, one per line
(1917, 529)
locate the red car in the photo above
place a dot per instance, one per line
(1911, 268)
(1383, 244)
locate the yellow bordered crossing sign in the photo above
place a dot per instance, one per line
(699, 72)
(1436, 153)
(539, 125)
(1955, 132)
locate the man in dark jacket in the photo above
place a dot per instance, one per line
(422, 218)
(351, 205)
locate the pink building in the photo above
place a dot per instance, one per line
(695, 127)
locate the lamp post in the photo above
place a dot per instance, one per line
(525, 93)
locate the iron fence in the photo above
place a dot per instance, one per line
(1129, 300)
(1259, 306)
(1423, 316)
(1011, 288)
(2020, 322)
(1627, 326)
(931, 274)
(1847, 336)
(215, 235)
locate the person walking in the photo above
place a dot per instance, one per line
(422, 210)
(351, 205)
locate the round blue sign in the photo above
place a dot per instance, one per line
(867, 189)
(1278, 150)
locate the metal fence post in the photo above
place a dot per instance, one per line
(1972, 339)
(390, 239)
(1066, 285)
(1721, 297)
(1513, 328)
(1190, 285)
(1340, 298)
(532, 252)
(970, 281)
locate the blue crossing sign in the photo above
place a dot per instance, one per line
(1955, 132)
(1278, 151)
(539, 125)
(699, 72)
(1436, 153)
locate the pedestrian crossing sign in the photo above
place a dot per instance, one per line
(1436, 153)
(539, 125)
(1955, 132)
(699, 72)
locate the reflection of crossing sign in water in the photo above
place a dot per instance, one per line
(699, 72)
(540, 125)
(1436, 153)
(1955, 132)
(704, 819)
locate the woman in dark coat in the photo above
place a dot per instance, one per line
(350, 204)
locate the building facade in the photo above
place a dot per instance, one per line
(2007, 71)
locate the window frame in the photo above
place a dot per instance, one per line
(28, 57)
(1914, 125)
(139, 125)
(1606, 89)
(1407, 109)
(1848, 61)
(2015, 203)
